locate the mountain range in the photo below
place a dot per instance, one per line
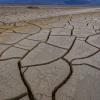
(52, 2)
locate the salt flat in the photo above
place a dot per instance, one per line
(49, 54)
(19, 13)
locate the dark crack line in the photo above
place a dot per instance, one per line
(10, 58)
(57, 27)
(18, 97)
(87, 24)
(64, 81)
(94, 28)
(95, 67)
(46, 63)
(30, 94)
(5, 50)
(25, 70)
(92, 45)
(15, 32)
(35, 40)
(17, 46)
(34, 24)
(5, 44)
(72, 28)
(20, 47)
(86, 56)
(23, 46)
(48, 35)
(56, 46)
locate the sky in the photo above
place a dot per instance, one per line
(54, 2)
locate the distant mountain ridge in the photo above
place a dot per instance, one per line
(82, 2)
(52, 2)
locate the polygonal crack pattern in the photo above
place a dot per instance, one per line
(56, 58)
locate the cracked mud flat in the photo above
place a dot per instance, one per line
(57, 58)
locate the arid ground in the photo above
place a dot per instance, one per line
(49, 54)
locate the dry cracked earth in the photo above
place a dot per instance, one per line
(55, 58)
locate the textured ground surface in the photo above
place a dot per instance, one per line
(13, 14)
(55, 58)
